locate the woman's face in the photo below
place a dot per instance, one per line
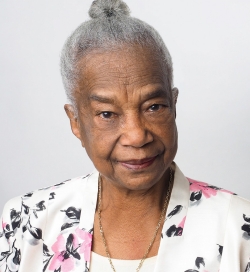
(126, 120)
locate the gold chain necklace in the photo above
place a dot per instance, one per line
(156, 230)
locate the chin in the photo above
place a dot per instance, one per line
(144, 181)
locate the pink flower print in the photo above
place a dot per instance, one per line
(199, 188)
(86, 242)
(3, 225)
(207, 191)
(226, 191)
(176, 231)
(65, 253)
(181, 225)
(6, 230)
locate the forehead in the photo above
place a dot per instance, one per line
(128, 67)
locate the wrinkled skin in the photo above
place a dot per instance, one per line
(126, 121)
(126, 116)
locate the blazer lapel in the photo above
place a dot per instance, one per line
(89, 195)
(85, 234)
(174, 226)
(173, 229)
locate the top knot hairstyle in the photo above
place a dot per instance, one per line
(109, 28)
(108, 8)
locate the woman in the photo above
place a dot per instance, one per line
(137, 212)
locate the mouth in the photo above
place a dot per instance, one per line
(138, 164)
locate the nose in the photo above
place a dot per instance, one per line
(135, 132)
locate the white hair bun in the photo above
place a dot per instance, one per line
(108, 8)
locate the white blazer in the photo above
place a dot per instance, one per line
(206, 229)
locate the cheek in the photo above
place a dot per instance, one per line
(98, 143)
(168, 136)
(171, 142)
(166, 131)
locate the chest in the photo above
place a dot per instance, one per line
(125, 243)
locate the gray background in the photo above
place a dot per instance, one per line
(209, 42)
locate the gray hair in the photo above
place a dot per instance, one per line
(110, 26)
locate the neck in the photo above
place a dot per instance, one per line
(124, 201)
(121, 203)
(129, 219)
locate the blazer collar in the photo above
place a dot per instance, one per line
(176, 211)
(174, 225)
(177, 207)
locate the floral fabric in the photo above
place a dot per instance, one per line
(206, 229)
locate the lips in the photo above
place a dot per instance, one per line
(138, 164)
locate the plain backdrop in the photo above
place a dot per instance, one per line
(210, 45)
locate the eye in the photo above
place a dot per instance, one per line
(106, 114)
(155, 107)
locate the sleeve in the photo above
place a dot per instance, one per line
(10, 256)
(236, 250)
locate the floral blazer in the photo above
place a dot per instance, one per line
(206, 229)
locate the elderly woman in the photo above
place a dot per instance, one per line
(137, 211)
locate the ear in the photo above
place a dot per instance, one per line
(175, 93)
(74, 123)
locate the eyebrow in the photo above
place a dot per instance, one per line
(101, 99)
(108, 100)
(155, 94)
